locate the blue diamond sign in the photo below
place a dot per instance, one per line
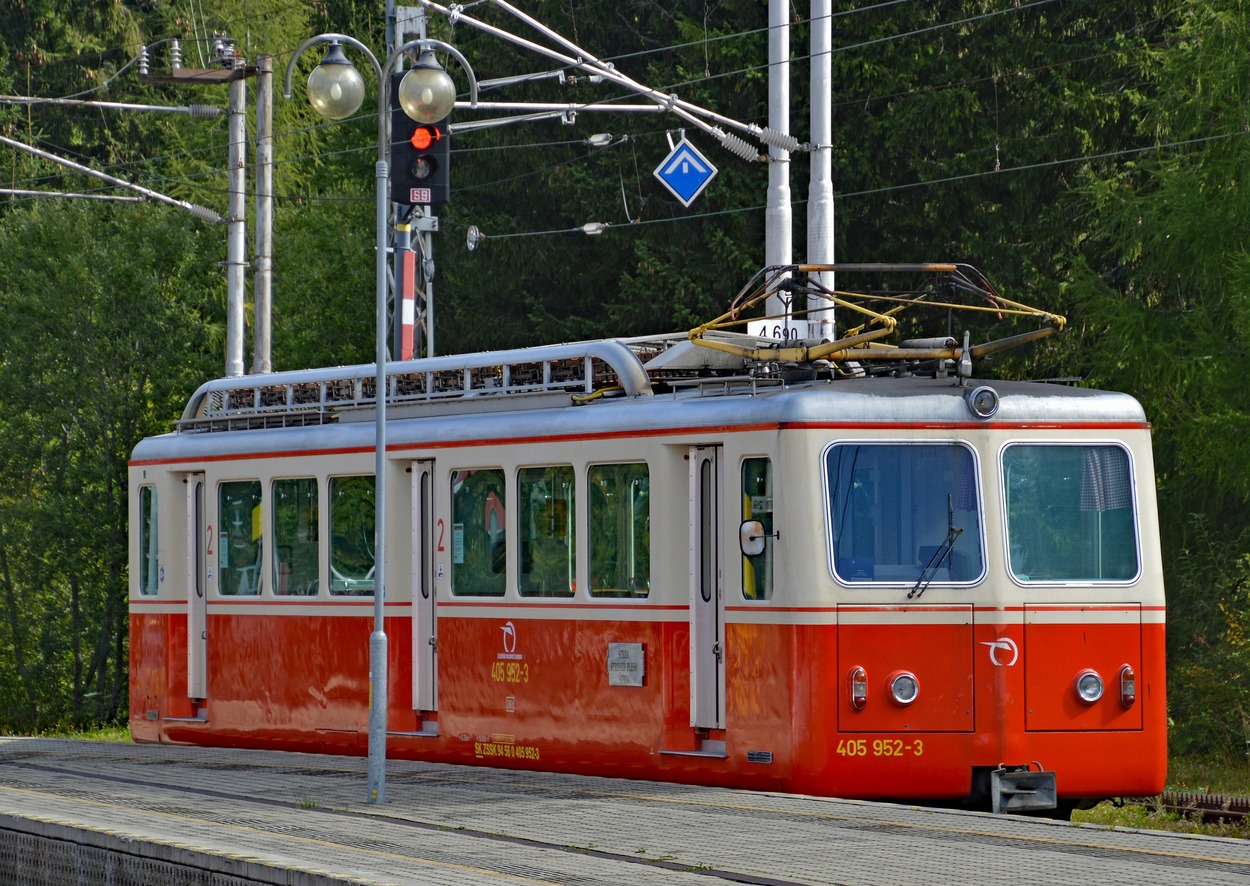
(685, 172)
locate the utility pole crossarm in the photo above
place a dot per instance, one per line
(199, 212)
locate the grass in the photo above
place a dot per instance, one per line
(96, 733)
(1189, 774)
(1203, 775)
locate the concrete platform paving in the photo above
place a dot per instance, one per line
(241, 816)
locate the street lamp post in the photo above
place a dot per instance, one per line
(336, 90)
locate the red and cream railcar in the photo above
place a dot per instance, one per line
(864, 587)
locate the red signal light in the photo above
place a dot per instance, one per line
(424, 136)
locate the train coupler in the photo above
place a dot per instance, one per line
(1022, 790)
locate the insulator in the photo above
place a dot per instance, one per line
(175, 56)
(204, 213)
(735, 145)
(143, 62)
(205, 111)
(774, 139)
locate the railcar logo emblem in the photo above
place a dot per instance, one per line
(509, 642)
(1006, 643)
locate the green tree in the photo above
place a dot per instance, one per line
(1160, 278)
(109, 326)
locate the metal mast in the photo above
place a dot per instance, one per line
(820, 208)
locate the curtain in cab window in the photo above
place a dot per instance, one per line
(1070, 514)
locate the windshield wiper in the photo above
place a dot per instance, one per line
(952, 532)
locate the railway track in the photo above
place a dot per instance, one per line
(1204, 807)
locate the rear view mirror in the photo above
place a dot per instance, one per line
(751, 538)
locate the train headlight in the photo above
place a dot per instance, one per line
(859, 688)
(1088, 686)
(1128, 686)
(904, 688)
(982, 401)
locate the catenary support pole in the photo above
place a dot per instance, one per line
(820, 208)
(778, 237)
(236, 236)
(262, 285)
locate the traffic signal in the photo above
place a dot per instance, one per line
(420, 157)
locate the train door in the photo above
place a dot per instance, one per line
(707, 626)
(199, 550)
(424, 624)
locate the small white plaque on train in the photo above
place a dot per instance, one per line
(775, 328)
(627, 664)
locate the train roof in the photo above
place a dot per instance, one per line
(593, 390)
(712, 377)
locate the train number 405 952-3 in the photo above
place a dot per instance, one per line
(879, 747)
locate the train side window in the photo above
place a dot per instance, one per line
(352, 519)
(900, 513)
(757, 504)
(620, 530)
(241, 525)
(545, 535)
(296, 537)
(1070, 513)
(479, 532)
(149, 563)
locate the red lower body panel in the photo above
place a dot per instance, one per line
(539, 697)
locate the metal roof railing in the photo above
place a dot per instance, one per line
(317, 396)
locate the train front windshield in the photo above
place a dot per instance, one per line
(904, 513)
(911, 513)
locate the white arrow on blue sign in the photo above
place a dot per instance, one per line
(685, 172)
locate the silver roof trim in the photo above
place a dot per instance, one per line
(545, 369)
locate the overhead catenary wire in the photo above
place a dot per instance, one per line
(868, 192)
(199, 212)
(931, 28)
(722, 74)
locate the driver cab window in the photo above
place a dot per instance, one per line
(900, 513)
